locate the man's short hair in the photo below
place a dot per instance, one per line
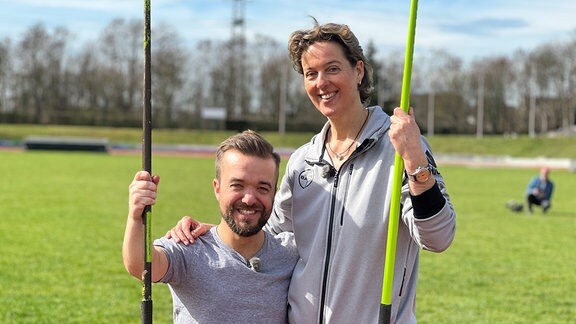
(248, 143)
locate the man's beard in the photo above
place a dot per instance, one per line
(242, 228)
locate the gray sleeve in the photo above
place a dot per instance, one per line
(175, 255)
(281, 218)
(431, 217)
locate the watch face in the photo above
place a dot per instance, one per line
(423, 175)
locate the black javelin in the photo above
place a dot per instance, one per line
(146, 307)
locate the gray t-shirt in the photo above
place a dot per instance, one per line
(212, 283)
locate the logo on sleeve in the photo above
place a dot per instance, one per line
(431, 161)
(430, 158)
(305, 178)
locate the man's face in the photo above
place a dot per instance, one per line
(245, 191)
(544, 172)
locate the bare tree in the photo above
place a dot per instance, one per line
(222, 83)
(270, 61)
(496, 75)
(567, 85)
(270, 81)
(39, 63)
(439, 78)
(552, 81)
(390, 76)
(168, 75)
(86, 88)
(120, 45)
(198, 80)
(5, 75)
(371, 54)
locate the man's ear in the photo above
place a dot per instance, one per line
(216, 186)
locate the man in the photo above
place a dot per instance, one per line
(539, 191)
(236, 272)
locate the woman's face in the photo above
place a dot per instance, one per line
(330, 81)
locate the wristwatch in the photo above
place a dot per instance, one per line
(422, 173)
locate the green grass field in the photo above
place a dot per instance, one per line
(516, 146)
(63, 217)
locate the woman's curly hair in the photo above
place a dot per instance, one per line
(300, 40)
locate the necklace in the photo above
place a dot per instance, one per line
(340, 156)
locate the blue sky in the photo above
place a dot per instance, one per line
(468, 29)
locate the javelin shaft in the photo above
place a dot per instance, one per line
(146, 307)
(393, 218)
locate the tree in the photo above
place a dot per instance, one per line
(370, 54)
(552, 81)
(493, 75)
(168, 60)
(390, 81)
(86, 90)
(120, 45)
(40, 64)
(5, 75)
(439, 77)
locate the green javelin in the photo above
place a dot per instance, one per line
(393, 218)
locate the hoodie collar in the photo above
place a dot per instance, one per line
(378, 123)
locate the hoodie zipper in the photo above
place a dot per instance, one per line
(328, 250)
(346, 194)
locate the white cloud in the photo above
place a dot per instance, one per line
(465, 28)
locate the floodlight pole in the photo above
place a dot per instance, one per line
(146, 307)
(393, 218)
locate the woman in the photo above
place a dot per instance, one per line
(335, 193)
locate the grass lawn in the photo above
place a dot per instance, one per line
(515, 146)
(63, 217)
(503, 267)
